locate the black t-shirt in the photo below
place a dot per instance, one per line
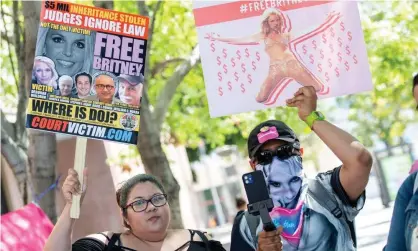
(238, 242)
(115, 244)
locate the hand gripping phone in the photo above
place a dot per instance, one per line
(259, 201)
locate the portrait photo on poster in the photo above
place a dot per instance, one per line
(88, 73)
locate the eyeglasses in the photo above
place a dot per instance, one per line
(108, 87)
(282, 152)
(157, 200)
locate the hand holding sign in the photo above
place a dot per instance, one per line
(72, 186)
(305, 100)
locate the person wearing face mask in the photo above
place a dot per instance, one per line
(315, 214)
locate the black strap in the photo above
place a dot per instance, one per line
(204, 239)
(112, 242)
(322, 196)
(325, 199)
(253, 222)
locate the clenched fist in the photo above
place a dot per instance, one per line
(270, 241)
(72, 185)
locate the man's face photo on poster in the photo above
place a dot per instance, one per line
(105, 88)
(130, 89)
(83, 84)
(65, 84)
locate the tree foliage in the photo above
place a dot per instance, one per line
(391, 34)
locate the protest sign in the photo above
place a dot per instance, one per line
(25, 229)
(87, 76)
(256, 54)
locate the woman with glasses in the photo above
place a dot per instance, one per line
(403, 233)
(146, 216)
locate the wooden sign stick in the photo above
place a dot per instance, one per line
(79, 162)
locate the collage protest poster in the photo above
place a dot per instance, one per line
(88, 72)
(257, 54)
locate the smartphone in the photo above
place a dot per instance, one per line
(256, 189)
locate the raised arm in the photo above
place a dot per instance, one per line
(357, 160)
(253, 39)
(60, 238)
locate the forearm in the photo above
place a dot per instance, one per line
(347, 148)
(60, 238)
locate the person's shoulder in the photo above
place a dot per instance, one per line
(407, 187)
(186, 234)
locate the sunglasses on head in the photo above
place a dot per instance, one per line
(265, 157)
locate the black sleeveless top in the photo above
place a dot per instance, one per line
(115, 244)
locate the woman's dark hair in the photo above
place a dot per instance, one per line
(123, 192)
(415, 82)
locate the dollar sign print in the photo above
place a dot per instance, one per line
(332, 32)
(324, 38)
(242, 88)
(254, 67)
(219, 76)
(314, 44)
(224, 53)
(311, 57)
(218, 59)
(236, 76)
(247, 54)
(220, 92)
(249, 78)
(347, 50)
(355, 59)
(304, 49)
(233, 62)
(339, 56)
(337, 71)
(350, 37)
(320, 67)
(225, 68)
(243, 68)
(347, 67)
(331, 48)
(342, 26)
(340, 42)
(238, 54)
(257, 55)
(212, 47)
(326, 76)
(321, 52)
(329, 63)
(229, 85)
